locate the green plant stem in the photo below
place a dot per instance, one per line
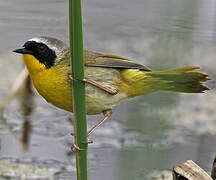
(77, 63)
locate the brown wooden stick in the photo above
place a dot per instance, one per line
(189, 171)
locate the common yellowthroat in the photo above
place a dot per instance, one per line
(109, 79)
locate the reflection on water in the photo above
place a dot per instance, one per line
(153, 132)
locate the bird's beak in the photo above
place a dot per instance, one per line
(22, 51)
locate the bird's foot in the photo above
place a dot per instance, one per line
(70, 77)
(74, 147)
(89, 141)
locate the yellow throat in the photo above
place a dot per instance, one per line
(51, 83)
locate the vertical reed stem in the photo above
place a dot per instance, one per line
(77, 66)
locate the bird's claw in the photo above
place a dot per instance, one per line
(70, 78)
(74, 147)
(89, 141)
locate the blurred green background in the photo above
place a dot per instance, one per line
(146, 135)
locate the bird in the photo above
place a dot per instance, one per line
(109, 79)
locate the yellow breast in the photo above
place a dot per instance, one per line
(50, 83)
(54, 86)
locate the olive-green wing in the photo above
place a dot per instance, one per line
(110, 61)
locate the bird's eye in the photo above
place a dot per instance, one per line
(42, 47)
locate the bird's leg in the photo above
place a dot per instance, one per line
(108, 90)
(107, 114)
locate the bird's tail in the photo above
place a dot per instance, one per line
(179, 80)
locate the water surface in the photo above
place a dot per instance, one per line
(153, 132)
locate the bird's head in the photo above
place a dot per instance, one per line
(46, 50)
